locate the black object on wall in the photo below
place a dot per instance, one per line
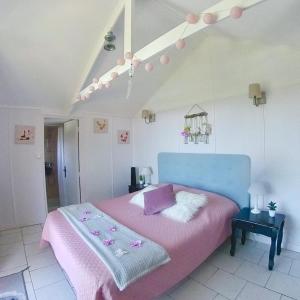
(133, 176)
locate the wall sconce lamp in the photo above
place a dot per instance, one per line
(256, 94)
(148, 116)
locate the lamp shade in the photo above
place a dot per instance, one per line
(146, 171)
(257, 188)
(254, 90)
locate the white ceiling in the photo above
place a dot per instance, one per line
(45, 46)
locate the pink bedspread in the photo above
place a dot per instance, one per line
(187, 244)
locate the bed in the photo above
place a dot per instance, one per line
(223, 178)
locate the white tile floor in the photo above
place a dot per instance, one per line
(243, 277)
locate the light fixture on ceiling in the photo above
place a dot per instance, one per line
(109, 41)
(148, 116)
(256, 94)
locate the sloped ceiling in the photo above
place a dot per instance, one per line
(45, 46)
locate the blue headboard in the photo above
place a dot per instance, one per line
(225, 174)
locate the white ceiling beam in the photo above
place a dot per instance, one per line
(128, 25)
(181, 31)
(100, 43)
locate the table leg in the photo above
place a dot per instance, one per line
(272, 252)
(243, 240)
(233, 239)
(280, 239)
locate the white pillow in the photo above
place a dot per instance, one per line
(187, 205)
(191, 199)
(138, 199)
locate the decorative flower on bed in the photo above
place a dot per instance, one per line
(113, 228)
(96, 232)
(108, 242)
(84, 219)
(136, 244)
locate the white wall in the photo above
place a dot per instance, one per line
(22, 196)
(238, 127)
(105, 165)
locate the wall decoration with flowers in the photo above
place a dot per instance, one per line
(123, 137)
(196, 127)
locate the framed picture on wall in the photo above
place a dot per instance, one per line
(100, 125)
(24, 134)
(123, 137)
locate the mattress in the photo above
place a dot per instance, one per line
(188, 245)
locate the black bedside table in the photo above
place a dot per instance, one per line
(135, 188)
(261, 223)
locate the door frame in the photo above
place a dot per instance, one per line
(59, 120)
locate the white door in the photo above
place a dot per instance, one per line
(71, 173)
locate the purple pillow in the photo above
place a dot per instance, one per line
(158, 199)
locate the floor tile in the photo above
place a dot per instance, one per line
(34, 249)
(31, 238)
(284, 284)
(9, 231)
(10, 249)
(281, 263)
(204, 272)
(62, 292)
(41, 260)
(46, 276)
(220, 297)
(295, 268)
(250, 252)
(30, 291)
(263, 246)
(14, 270)
(253, 273)
(225, 262)
(191, 290)
(226, 284)
(252, 291)
(164, 297)
(290, 254)
(285, 298)
(10, 238)
(12, 261)
(31, 229)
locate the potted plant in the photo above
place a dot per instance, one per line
(141, 179)
(272, 209)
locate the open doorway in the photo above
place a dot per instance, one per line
(61, 146)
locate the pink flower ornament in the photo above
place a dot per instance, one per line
(136, 244)
(96, 232)
(108, 242)
(113, 229)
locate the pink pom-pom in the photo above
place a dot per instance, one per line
(136, 63)
(149, 67)
(114, 75)
(236, 12)
(164, 59)
(108, 84)
(120, 61)
(180, 44)
(209, 18)
(128, 55)
(192, 18)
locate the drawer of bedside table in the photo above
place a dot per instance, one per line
(255, 228)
